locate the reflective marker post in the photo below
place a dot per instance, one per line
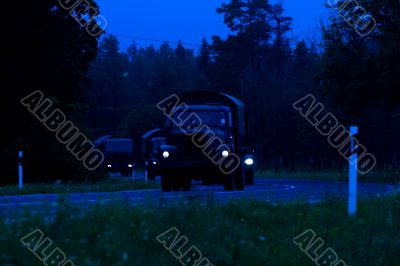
(20, 170)
(133, 171)
(352, 201)
(145, 172)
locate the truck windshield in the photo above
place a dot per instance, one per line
(118, 146)
(209, 118)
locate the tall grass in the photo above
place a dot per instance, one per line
(241, 233)
(108, 185)
(386, 176)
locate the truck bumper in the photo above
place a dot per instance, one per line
(194, 169)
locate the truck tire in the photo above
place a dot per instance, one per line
(150, 175)
(186, 184)
(176, 183)
(125, 173)
(249, 177)
(166, 183)
(229, 182)
(239, 179)
(130, 172)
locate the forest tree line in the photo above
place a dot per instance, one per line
(109, 91)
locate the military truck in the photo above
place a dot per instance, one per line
(118, 154)
(151, 143)
(206, 139)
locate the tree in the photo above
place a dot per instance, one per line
(362, 70)
(45, 49)
(247, 16)
(360, 75)
(109, 96)
(204, 65)
(281, 25)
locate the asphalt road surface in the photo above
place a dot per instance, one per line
(270, 190)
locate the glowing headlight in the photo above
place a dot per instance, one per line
(109, 166)
(154, 163)
(130, 166)
(249, 161)
(225, 153)
(165, 154)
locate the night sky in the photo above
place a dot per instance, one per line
(190, 20)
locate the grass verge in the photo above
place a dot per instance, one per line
(240, 233)
(375, 177)
(108, 185)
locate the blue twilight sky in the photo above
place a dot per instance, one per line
(191, 20)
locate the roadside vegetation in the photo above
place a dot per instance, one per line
(240, 233)
(122, 184)
(385, 176)
(108, 185)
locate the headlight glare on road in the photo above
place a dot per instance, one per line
(165, 154)
(225, 153)
(249, 161)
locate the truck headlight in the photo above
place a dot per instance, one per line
(249, 161)
(225, 153)
(165, 154)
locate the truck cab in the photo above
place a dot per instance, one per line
(118, 154)
(198, 149)
(151, 143)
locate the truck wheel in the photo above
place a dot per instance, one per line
(166, 183)
(130, 172)
(229, 182)
(239, 179)
(186, 184)
(176, 183)
(249, 177)
(150, 175)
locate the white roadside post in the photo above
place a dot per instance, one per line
(20, 170)
(352, 201)
(133, 171)
(145, 171)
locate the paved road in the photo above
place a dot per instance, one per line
(271, 190)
